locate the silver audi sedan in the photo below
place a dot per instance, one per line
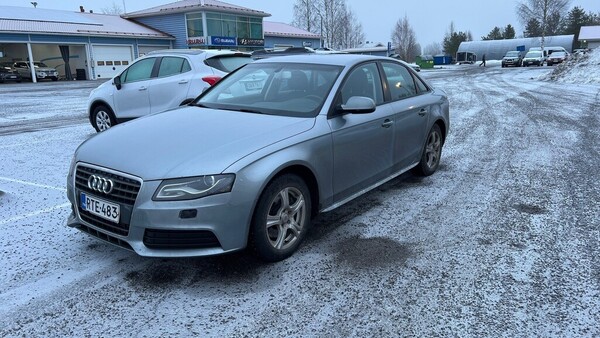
(255, 157)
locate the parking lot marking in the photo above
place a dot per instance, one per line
(35, 213)
(32, 184)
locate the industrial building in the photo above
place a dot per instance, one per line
(496, 49)
(85, 45)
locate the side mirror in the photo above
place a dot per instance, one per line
(358, 105)
(117, 82)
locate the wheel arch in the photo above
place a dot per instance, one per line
(302, 171)
(95, 105)
(440, 123)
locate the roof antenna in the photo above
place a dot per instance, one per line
(34, 3)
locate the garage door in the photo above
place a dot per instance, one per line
(110, 60)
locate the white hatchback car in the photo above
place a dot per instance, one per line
(159, 81)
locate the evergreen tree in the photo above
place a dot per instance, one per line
(509, 32)
(495, 34)
(533, 28)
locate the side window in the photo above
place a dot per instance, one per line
(141, 70)
(363, 81)
(421, 86)
(170, 65)
(400, 82)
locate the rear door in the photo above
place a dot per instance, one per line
(170, 88)
(411, 113)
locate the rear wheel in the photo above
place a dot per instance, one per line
(281, 218)
(103, 118)
(432, 153)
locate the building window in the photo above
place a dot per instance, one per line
(243, 26)
(233, 26)
(256, 31)
(194, 25)
(213, 24)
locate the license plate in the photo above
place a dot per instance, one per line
(12, 77)
(253, 85)
(99, 207)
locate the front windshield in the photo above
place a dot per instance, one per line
(275, 88)
(533, 54)
(512, 54)
(559, 54)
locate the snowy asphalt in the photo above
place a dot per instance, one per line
(503, 241)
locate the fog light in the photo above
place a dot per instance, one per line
(189, 213)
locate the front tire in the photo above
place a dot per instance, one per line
(432, 153)
(281, 219)
(103, 118)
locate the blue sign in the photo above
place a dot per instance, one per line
(222, 41)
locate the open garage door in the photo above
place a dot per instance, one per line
(110, 60)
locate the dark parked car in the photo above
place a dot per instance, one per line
(8, 73)
(556, 57)
(512, 58)
(250, 168)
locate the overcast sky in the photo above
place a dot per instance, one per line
(429, 19)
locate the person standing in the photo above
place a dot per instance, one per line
(482, 61)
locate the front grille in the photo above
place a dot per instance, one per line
(180, 239)
(125, 191)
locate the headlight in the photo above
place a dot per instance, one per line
(193, 187)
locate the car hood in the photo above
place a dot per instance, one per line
(187, 141)
(45, 69)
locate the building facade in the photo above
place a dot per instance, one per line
(81, 44)
(85, 45)
(590, 36)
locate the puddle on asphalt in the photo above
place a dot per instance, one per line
(363, 253)
(530, 209)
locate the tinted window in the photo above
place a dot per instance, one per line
(285, 89)
(227, 63)
(363, 81)
(172, 65)
(141, 70)
(399, 80)
(421, 86)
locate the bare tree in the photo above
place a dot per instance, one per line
(405, 40)
(351, 31)
(332, 19)
(433, 48)
(545, 11)
(306, 16)
(114, 9)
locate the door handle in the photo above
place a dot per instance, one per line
(387, 123)
(142, 88)
(183, 81)
(422, 112)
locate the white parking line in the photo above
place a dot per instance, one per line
(35, 213)
(32, 184)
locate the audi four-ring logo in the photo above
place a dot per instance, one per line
(100, 184)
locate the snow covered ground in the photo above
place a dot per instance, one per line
(503, 241)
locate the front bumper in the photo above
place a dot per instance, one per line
(160, 229)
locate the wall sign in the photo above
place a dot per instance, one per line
(196, 41)
(251, 42)
(222, 41)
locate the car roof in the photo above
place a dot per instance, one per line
(327, 59)
(208, 52)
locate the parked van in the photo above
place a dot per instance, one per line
(549, 50)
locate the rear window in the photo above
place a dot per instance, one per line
(228, 63)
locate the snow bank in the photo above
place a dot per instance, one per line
(578, 69)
